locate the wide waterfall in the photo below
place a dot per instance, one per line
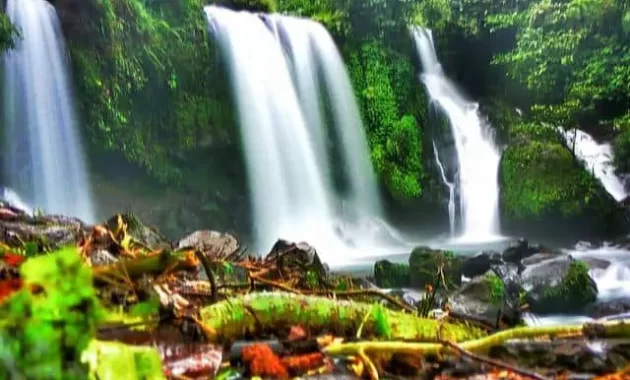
(276, 65)
(43, 155)
(477, 154)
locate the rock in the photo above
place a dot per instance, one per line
(391, 275)
(50, 231)
(480, 263)
(299, 257)
(138, 231)
(521, 249)
(425, 262)
(561, 284)
(481, 296)
(213, 243)
(512, 289)
(608, 308)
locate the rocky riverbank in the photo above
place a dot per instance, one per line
(118, 300)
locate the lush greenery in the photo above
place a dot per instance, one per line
(152, 88)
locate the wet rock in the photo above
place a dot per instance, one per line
(480, 263)
(213, 243)
(425, 263)
(521, 249)
(608, 308)
(561, 284)
(391, 275)
(481, 296)
(49, 231)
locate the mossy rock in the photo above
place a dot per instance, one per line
(424, 265)
(559, 285)
(391, 275)
(264, 6)
(539, 175)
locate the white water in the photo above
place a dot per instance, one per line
(14, 199)
(477, 154)
(451, 191)
(281, 127)
(597, 158)
(44, 159)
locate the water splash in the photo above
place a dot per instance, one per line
(44, 160)
(597, 158)
(478, 155)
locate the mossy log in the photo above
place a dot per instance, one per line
(237, 317)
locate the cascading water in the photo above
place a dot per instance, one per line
(282, 129)
(597, 158)
(311, 46)
(451, 190)
(478, 156)
(43, 160)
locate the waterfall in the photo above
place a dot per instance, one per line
(451, 191)
(310, 46)
(278, 66)
(477, 155)
(597, 158)
(43, 154)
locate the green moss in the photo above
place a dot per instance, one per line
(574, 291)
(391, 275)
(539, 175)
(394, 137)
(496, 288)
(426, 267)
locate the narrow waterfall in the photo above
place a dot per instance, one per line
(451, 190)
(283, 131)
(597, 158)
(43, 153)
(477, 155)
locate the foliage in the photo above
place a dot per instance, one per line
(394, 139)
(574, 291)
(147, 81)
(265, 6)
(8, 33)
(539, 175)
(496, 287)
(46, 325)
(572, 55)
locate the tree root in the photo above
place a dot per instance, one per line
(232, 319)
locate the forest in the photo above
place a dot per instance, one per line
(488, 221)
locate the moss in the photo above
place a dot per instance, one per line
(496, 288)
(391, 275)
(574, 291)
(539, 176)
(427, 265)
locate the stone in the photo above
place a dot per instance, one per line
(213, 243)
(481, 297)
(391, 275)
(424, 264)
(480, 263)
(561, 284)
(138, 231)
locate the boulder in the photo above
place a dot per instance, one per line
(424, 265)
(213, 243)
(481, 296)
(519, 250)
(138, 231)
(561, 284)
(391, 275)
(480, 263)
(298, 257)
